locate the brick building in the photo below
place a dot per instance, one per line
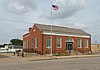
(63, 39)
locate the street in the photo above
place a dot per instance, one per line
(60, 64)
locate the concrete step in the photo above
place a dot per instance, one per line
(75, 52)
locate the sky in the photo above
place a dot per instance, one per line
(16, 16)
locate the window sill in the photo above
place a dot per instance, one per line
(86, 47)
(48, 47)
(59, 47)
(79, 47)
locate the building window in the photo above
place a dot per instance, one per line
(25, 44)
(86, 43)
(59, 42)
(36, 42)
(79, 43)
(32, 42)
(48, 42)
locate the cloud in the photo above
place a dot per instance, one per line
(79, 25)
(77, 22)
(20, 6)
(66, 9)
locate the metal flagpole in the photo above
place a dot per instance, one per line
(53, 7)
(51, 29)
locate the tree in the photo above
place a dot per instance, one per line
(1, 46)
(16, 42)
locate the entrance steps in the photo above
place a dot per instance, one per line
(75, 52)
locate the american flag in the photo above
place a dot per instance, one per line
(55, 7)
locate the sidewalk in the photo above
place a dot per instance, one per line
(38, 58)
(7, 57)
(75, 56)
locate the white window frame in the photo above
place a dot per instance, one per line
(60, 42)
(86, 43)
(36, 42)
(79, 43)
(47, 41)
(32, 42)
(24, 44)
(27, 44)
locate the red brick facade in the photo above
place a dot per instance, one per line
(29, 42)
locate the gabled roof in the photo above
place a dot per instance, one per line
(61, 30)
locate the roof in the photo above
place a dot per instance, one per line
(26, 34)
(60, 29)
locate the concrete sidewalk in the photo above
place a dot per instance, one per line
(10, 57)
(38, 58)
(75, 56)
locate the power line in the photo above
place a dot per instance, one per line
(14, 20)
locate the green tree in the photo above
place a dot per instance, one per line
(16, 42)
(1, 46)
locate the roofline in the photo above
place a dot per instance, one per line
(73, 35)
(62, 27)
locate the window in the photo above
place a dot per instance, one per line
(59, 42)
(32, 42)
(36, 42)
(79, 43)
(25, 44)
(48, 42)
(86, 43)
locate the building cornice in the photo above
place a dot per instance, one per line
(74, 35)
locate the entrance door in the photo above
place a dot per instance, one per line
(69, 45)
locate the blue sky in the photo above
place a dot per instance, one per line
(81, 14)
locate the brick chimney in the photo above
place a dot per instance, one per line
(30, 29)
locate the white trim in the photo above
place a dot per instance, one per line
(25, 44)
(60, 42)
(69, 39)
(26, 36)
(48, 47)
(33, 42)
(36, 42)
(86, 43)
(80, 43)
(46, 43)
(84, 36)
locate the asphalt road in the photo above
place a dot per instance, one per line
(60, 64)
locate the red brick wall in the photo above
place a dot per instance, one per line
(83, 49)
(64, 38)
(34, 33)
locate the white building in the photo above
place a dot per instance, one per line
(11, 48)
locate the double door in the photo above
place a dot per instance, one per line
(69, 45)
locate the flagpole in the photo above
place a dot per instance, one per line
(51, 29)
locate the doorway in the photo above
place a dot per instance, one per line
(69, 45)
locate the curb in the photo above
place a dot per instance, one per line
(77, 57)
(40, 59)
(56, 58)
